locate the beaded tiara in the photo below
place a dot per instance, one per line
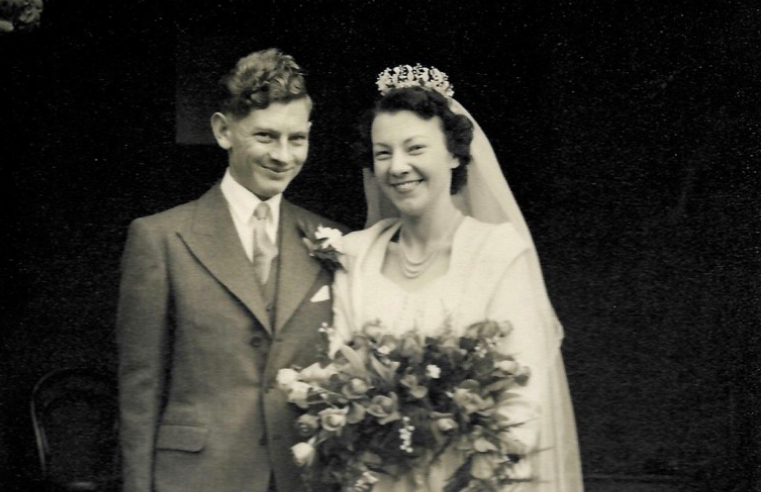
(417, 76)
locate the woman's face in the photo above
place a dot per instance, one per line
(411, 161)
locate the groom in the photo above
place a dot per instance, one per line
(219, 294)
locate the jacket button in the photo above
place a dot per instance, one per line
(256, 341)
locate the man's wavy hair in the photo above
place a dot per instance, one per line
(258, 80)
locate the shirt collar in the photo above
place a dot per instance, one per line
(243, 202)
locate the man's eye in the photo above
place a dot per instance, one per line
(299, 140)
(264, 137)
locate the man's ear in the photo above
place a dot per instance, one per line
(221, 128)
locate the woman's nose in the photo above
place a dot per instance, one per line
(399, 164)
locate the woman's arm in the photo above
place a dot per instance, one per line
(513, 300)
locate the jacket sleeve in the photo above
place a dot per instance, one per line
(142, 337)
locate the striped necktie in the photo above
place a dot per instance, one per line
(264, 249)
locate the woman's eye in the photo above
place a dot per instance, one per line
(416, 149)
(381, 155)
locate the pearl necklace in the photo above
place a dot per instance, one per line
(415, 268)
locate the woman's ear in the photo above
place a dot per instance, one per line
(221, 128)
(455, 162)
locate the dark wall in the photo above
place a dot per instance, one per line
(629, 134)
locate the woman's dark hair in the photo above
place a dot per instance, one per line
(259, 79)
(457, 128)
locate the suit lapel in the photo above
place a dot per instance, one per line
(214, 240)
(297, 271)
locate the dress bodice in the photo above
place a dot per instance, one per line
(480, 253)
(489, 277)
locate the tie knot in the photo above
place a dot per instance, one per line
(262, 211)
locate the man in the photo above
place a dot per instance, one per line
(219, 294)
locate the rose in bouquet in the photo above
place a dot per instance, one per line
(385, 403)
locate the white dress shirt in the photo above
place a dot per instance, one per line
(242, 204)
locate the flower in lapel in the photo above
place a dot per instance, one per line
(324, 244)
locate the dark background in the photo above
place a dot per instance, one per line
(629, 132)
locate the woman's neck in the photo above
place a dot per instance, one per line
(431, 228)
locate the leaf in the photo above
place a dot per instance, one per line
(356, 414)
(419, 392)
(309, 244)
(460, 478)
(498, 386)
(386, 373)
(470, 384)
(354, 360)
(483, 445)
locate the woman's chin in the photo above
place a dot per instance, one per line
(409, 209)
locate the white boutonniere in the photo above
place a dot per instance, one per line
(324, 244)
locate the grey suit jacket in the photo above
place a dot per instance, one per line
(199, 354)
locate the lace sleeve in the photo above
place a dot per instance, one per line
(512, 302)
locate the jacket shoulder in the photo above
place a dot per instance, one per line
(314, 219)
(174, 218)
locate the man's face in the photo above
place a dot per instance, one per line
(268, 147)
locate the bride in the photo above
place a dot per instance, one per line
(446, 242)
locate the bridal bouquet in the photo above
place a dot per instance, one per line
(393, 404)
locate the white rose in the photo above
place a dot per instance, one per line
(286, 378)
(303, 453)
(318, 374)
(432, 371)
(509, 366)
(331, 236)
(299, 393)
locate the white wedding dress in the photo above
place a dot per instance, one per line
(488, 275)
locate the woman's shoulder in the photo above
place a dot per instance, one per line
(356, 245)
(493, 242)
(504, 233)
(357, 242)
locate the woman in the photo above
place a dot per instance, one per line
(446, 244)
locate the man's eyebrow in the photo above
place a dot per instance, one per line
(262, 129)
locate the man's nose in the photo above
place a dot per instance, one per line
(282, 151)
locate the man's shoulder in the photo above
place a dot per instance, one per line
(180, 215)
(314, 219)
(173, 217)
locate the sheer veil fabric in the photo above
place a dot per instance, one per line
(487, 197)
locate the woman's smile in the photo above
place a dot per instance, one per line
(407, 185)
